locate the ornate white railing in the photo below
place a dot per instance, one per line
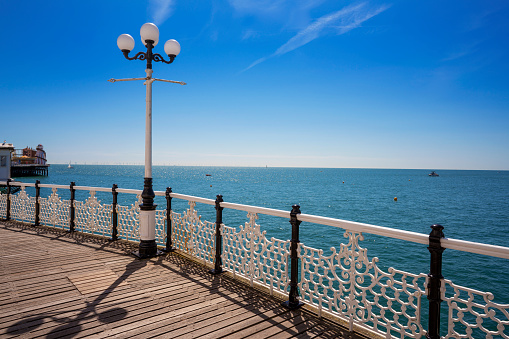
(193, 236)
(92, 216)
(350, 285)
(128, 220)
(54, 210)
(473, 314)
(23, 206)
(250, 254)
(3, 206)
(345, 282)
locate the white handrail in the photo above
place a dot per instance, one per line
(18, 183)
(160, 193)
(367, 228)
(475, 247)
(191, 198)
(55, 186)
(89, 188)
(129, 191)
(256, 209)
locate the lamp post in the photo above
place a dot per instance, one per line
(150, 37)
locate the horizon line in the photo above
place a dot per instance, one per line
(266, 166)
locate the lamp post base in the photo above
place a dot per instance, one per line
(148, 249)
(215, 272)
(292, 306)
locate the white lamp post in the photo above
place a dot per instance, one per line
(150, 37)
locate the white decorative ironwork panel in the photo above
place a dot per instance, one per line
(250, 254)
(129, 220)
(193, 236)
(204, 241)
(3, 205)
(161, 227)
(473, 314)
(54, 211)
(93, 217)
(23, 206)
(348, 284)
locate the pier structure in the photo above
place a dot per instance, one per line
(29, 170)
(260, 286)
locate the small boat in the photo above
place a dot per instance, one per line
(70, 166)
(208, 175)
(433, 174)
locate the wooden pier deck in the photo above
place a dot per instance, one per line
(59, 285)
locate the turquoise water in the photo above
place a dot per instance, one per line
(471, 205)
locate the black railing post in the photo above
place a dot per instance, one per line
(218, 264)
(71, 207)
(37, 204)
(293, 301)
(169, 243)
(114, 216)
(434, 281)
(8, 206)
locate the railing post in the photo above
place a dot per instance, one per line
(71, 207)
(8, 206)
(169, 243)
(37, 204)
(218, 264)
(293, 301)
(434, 281)
(114, 216)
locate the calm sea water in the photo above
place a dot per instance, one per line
(471, 205)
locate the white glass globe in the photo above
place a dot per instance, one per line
(149, 31)
(172, 47)
(125, 42)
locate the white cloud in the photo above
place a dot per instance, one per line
(338, 23)
(160, 10)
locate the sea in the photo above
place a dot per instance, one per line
(471, 205)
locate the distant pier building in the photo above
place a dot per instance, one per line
(29, 162)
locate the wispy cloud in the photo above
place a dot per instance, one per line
(248, 34)
(291, 14)
(160, 10)
(463, 51)
(338, 22)
(257, 6)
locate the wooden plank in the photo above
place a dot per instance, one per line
(175, 318)
(95, 281)
(203, 316)
(267, 329)
(242, 321)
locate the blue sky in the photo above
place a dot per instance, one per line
(301, 83)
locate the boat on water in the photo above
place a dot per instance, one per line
(70, 166)
(433, 174)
